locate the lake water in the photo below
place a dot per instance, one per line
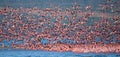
(40, 53)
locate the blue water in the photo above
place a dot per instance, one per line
(40, 53)
(49, 3)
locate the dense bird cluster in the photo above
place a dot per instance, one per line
(62, 30)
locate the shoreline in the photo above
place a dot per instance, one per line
(81, 48)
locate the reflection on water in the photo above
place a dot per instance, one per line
(40, 53)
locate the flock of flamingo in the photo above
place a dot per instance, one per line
(56, 29)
